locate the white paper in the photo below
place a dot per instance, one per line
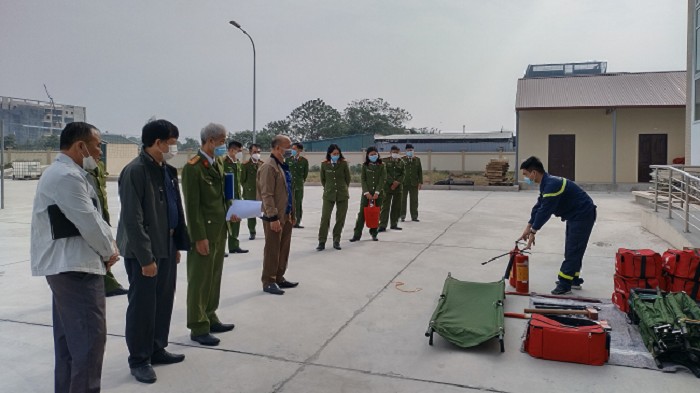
(244, 209)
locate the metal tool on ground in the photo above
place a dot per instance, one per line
(550, 306)
(575, 298)
(589, 312)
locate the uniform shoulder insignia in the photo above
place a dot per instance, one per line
(194, 159)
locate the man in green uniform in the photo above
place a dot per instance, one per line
(299, 166)
(412, 182)
(232, 164)
(205, 206)
(98, 179)
(391, 205)
(249, 172)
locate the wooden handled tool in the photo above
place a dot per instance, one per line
(589, 312)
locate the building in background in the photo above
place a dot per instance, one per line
(357, 142)
(499, 141)
(692, 125)
(30, 120)
(602, 128)
(117, 151)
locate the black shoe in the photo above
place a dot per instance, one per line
(287, 284)
(225, 255)
(575, 284)
(415, 220)
(206, 339)
(221, 327)
(251, 237)
(403, 219)
(165, 357)
(321, 246)
(237, 250)
(298, 226)
(273, 289)
(374, 238)
(336, 245)
(381, 229)
(117, 292)
(144, 374)
(396, 227)
(562, 289)
(354, 239)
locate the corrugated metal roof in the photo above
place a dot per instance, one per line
(451, 136)
(644, 89)
(116, 139)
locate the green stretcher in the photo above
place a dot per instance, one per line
(469, 313)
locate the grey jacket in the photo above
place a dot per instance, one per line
(143, 231)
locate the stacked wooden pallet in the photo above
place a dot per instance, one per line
(496, 172)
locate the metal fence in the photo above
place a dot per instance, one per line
(677, 189)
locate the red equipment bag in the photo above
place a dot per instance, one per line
(624, 284)
(678, 284)
(638, 263)
(567, 339)
(372, 215)
(682, 263)
(621, 301)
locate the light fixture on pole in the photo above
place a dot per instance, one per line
(236, 25)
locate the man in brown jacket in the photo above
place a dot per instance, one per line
(275, 190)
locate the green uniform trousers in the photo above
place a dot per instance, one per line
(341, 210)
(391, 208)
(360, 223)
(234, 228)
(413, 191)
(111, 282)
(298, 197)
(204, 284)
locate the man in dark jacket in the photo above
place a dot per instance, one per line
(565, 199)
(150, 235)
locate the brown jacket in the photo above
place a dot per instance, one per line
(272, 191)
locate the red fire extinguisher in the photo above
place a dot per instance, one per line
(519, 271)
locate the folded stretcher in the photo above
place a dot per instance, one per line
(469, 313)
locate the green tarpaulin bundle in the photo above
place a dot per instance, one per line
(670, 326)
(469, 313)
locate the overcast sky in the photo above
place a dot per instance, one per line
(449, 63)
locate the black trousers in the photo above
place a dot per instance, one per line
(577, 235)
(79, 331)
(150, 308)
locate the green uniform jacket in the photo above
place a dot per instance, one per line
(203, 188)
(335, 180)
(394, 172)
(249, 172)
(100, 176)
(300, 170)
(413, 170)
(373, 178)
(234, 167)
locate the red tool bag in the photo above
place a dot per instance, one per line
(372, 215)
(567, 339)
(678, 284)
(623, 285)
(621, 301)
(682, 263)
(638, 263)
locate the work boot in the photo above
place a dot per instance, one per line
(321, 246)
(575, 284)
(354, 239)
(563, 288)
(336, 245)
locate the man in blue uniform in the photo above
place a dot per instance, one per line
(565, 199)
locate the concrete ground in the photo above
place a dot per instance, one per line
(346, 328)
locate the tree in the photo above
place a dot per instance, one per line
(315, 120)
(375, 117)
(190, 144)
(262, 138)
(10, 141)
(423, 130)
(51, 142)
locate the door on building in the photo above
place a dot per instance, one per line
(562, 156)
(653, 150)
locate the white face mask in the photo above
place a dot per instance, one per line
(89, 163)
(239, 156)
(394, 155)
(256, 156)
(171, 153)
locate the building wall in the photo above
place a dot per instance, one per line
(593, 130)
(118, 155)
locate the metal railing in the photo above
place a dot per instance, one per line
(677, 187)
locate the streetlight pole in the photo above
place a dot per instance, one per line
(235, 24)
